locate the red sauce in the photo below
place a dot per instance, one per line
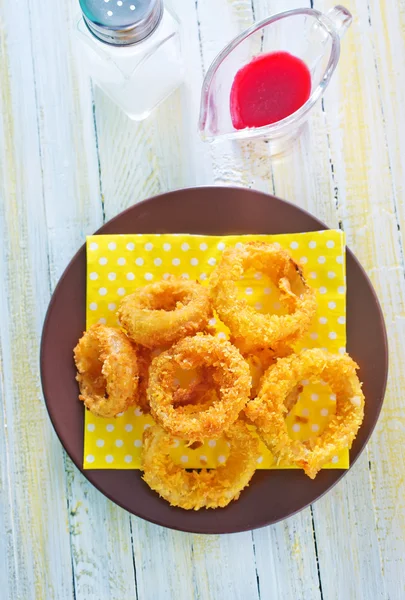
(268, 89)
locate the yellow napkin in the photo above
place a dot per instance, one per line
(118, 264)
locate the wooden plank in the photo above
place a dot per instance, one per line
(36, 542)
(8, 565)
(100, 536)
(349, 520)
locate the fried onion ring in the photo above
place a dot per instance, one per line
(269, 409)
(250, 329)
(231, 377)
(199, 489)
(107, 371)
(162, 313)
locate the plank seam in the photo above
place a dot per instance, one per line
(200, 38)
(100, 184)
(133, 557)
(316, 553)
(252, 4)
(256, 571)
(332, 168)
(70, 541)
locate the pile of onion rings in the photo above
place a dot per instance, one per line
(268, 410)
(256, 377)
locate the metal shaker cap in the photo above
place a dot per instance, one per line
(122, 22)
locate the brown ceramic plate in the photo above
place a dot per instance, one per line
(272, 495)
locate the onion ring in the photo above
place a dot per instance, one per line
(161, 313)
(231, 377)
(199, 489)
(107, 371)
(250, 329)
(268, 410)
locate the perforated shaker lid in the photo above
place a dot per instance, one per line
(122, 22)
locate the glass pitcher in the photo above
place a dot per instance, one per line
(305, 33)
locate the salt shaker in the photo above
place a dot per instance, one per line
(132, 51)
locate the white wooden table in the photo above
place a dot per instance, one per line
(69, 160)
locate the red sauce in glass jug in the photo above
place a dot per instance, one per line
(269, 88)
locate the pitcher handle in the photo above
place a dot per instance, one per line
(341, 19)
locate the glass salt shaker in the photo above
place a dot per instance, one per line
(132, 51)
